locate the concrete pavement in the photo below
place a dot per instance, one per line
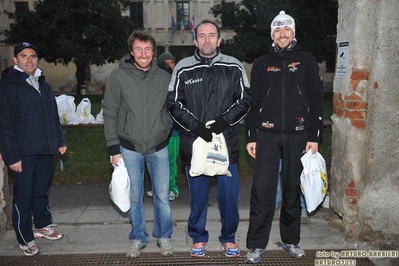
(91, 223)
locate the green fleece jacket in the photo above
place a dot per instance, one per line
(134, 109)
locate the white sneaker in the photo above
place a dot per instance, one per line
(135, 248)
(172, 195)
(30, 248)
(149, 193)
(294, 250)
(48, 232)
(165, 246)
(254, 255)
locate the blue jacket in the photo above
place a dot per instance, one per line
(29, 121)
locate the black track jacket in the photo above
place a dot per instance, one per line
(201, 91)
(287, 91)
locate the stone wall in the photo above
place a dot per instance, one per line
(365, 139)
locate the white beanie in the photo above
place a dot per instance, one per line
(282, 20)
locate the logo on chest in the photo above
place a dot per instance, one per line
(192, 81)
(293, 67)
(267, 124)
(273, 69)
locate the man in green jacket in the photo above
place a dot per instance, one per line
(137, 127)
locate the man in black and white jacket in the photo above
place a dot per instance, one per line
(210, 86)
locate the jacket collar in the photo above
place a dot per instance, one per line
(208, 60)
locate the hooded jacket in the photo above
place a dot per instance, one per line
(287, 89)
(29, 121)
(204, 89)
(134, 109)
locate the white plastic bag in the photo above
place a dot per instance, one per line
(66, 108)
(210, 158)
(313, 179)
(100, 116)
(83, 113)
(119, 188)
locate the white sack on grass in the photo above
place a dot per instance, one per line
(83, 113)
(66, 108)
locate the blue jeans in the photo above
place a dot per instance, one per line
(279, 194)
(158, 168)
(227, 196)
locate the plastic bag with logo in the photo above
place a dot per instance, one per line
(313, 179)
(119, 188)
(210, 158)
(83, 113)
(66, 109)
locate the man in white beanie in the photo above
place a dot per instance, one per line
(285, 121)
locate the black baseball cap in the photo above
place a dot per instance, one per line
(21, 46)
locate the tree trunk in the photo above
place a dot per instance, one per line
(80, 76)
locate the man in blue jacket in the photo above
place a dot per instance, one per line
(30, 133)
(285, 121)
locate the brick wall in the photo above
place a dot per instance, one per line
(352, 106)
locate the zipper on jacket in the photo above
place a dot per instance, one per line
(283, 125)
(301, 98)
(266, 101)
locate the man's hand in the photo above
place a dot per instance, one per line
(115, 159)
(251, 148)
(218, 126)
(312, 145)
(203, 132)
(62, 150)
(16, 167)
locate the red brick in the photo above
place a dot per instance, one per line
(352, 97)
(360, 124)
(338, 111)
(357, 76)
(337, 96)
(355, 84)
(352, 184)
(336, 102)
(376, 85)
(351, 192)
(360, 75)
(354, 115)
(356, 105)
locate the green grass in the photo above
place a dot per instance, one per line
(87, 158)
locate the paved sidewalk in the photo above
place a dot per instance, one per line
(92, 224)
